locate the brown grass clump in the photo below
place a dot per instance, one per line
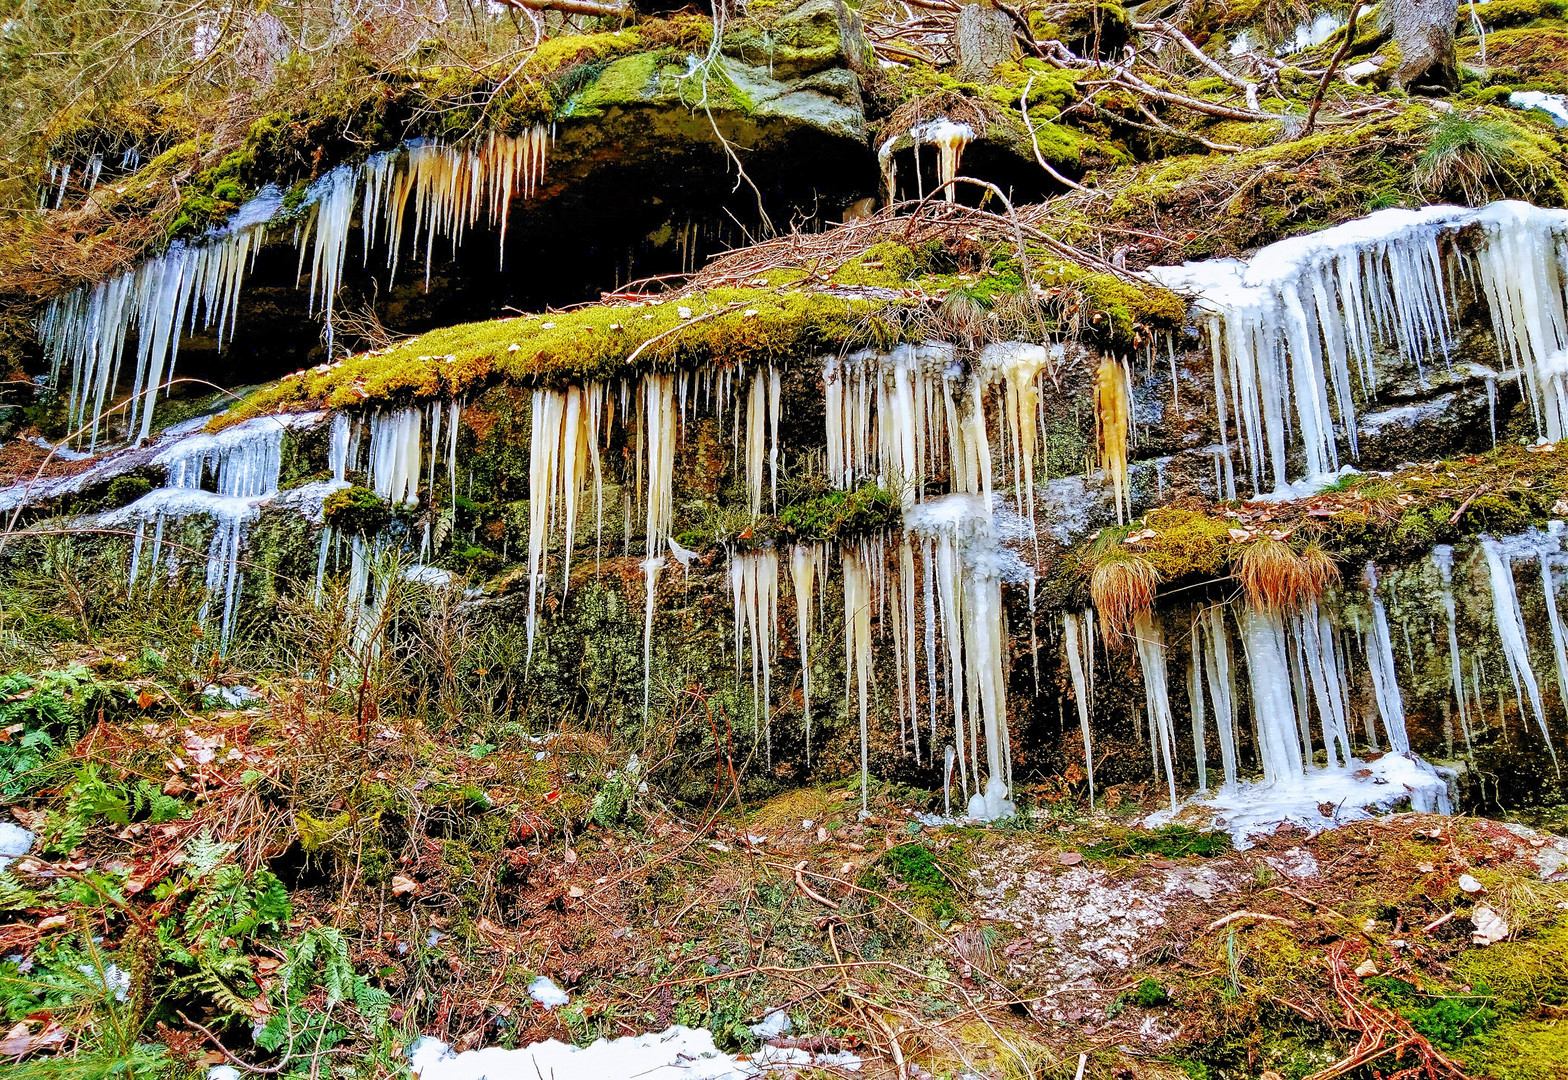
(1123, 589)
(1279, 579)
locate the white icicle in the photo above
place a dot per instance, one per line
(1380, 661)
(803, 570)
(1511, 632)
(857, 652)
(1071, 623)
(1151, 657)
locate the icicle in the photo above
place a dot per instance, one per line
(949, 138)
(1263, 635)
(803, 570)
(1302, 313)
(1380, 660)
(1217, 668)
(659, 435)
(754, 585)
(1443, 559)
(1112, 415)
(1151, 657)
(395, 453)
(1195, 706)
(857, 652)
(1071, 624)
(650, 576)
(1511, 632)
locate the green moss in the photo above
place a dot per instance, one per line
(839, 515)
(916, 866)
(887, 264)
(356, 510)
(1171, 842)
(126, 489)
(724, 326)
(1187, 544)
(1528, 971)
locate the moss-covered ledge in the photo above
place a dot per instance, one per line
(1382, 518)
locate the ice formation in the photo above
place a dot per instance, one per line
(196, 285)
(754, 586)
(1510, 623)
(969, 562)
(949, 138)
(1295, 329)
(1112, 418)
(1077, 639)
(242, 463)
(1553, 105)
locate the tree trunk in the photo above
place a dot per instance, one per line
(984, 39)
(1424, 32)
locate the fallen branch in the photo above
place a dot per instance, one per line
(572, 7)
(809, 891)
(1034, 139)
(1250, 89)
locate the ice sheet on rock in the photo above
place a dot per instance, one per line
(1322, 799)
(677, 1053)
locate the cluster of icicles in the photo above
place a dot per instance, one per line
(1296, 330)
(946, 136)
(898, 419)
(429, 190)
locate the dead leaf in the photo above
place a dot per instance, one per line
(402, 883)
(1070, 858)
(16, 1042)
(144, 698)
(54, 922)
(571, 857)
(575, 892)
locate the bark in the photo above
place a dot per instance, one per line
(985, 41)
(1424, 32)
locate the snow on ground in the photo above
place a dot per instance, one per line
(15, 842)
(677, 1053)
(1323, 799)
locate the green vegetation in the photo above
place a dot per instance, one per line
(1170, 842)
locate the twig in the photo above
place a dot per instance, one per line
(1248, 88)
(1023, 106)
(809, 891)
(1333, 65)
(1237, 916)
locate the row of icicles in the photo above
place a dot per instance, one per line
(427, 189)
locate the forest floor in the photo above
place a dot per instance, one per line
(265, 885)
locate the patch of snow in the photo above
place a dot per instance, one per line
(545, 992)
(223, 1072)
(433, 576)
(234, 696)
(1322, 799)
(1404, 416)
(1553, 105)
(773, 1025)
(677, 1053)
(113, 979)
(15, 842)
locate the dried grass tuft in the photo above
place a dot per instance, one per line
(1279, 579)
(1123, 589)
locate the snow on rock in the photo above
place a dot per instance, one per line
(677, 1053)
(15, 842)
(1553, 105)
(545, 992)
(1083, 920)
(1322, 799)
